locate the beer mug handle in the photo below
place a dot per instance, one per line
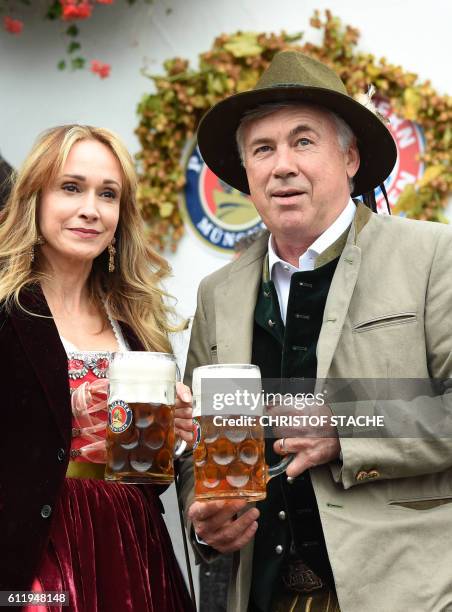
(181, 445)
(279, 468)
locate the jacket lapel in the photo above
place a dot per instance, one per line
(41, 343)
(235, 301)
(340, 294)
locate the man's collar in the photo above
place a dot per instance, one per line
(325, 240)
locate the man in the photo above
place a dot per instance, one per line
(337, 292)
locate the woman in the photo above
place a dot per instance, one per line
(77, 281)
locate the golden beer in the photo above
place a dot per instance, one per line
(140, 432)
(229, 463)
(229, 454)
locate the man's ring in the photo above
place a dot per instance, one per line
(282, 446)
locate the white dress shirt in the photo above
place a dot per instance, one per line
(281, 271)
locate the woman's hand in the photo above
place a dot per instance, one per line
(183, 414)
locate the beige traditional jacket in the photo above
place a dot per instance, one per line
(386, 508)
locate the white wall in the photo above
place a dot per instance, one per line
(34, 95)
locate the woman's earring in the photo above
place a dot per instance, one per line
(111, 255)
(39, 240)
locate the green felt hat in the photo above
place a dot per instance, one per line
(295, 77)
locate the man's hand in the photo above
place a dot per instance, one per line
(309, 452)
(312, 445)
(215, 522)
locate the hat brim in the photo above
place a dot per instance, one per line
(217, 133)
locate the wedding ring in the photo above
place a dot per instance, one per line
(282, 446)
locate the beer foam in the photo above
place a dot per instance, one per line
(224, 372)
(142, 366)
(222, 381)
(140, 376)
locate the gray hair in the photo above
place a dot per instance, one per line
(344, 132)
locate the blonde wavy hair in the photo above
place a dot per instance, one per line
(132, 293)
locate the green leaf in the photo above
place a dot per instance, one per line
(78, 63)
(166, 209)
(413, 102)
(407, 200)
(54, 11)
(430, 174)
(61, 65)
(442, 218)
(73, 46)
(293, 37)
(150, 102)
(243, 45)
(447, 138)
(72, 30)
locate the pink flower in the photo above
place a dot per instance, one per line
(76, 10)
(103, 70)
(13, 26)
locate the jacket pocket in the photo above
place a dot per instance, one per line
(421, 504)
(398, 318)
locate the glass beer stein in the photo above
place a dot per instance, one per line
(140, 432)
(229, 450)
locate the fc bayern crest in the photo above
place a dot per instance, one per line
(219, 214)
(119, 416)
(410, 142)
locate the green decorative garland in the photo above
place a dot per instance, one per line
(169, 117)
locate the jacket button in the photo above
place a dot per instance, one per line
(46, 511)
(362, 475)
(278, 549)
(282, 515)
(290, 480)
(61, 454)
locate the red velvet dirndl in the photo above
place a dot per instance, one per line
(109, 547)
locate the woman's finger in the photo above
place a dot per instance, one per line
(185, 435)
(183, 413)
(183, 392)
(184, 424)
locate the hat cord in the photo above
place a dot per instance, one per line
(370, 201)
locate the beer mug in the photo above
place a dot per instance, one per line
(229, 450)
(140, 433)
